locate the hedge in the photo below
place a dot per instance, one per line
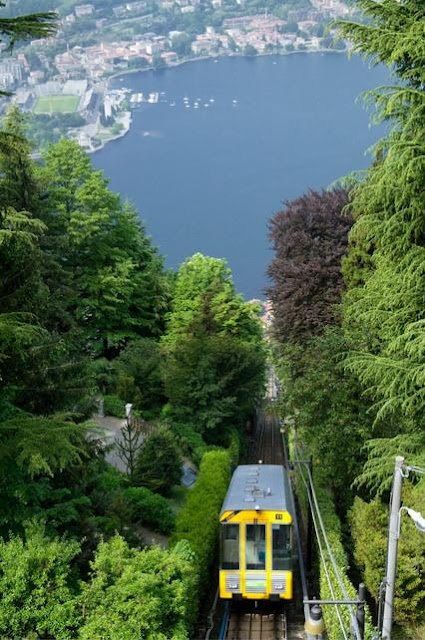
(198, 521)
(332, 526)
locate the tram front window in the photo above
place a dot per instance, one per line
(281, 545)
(230, 546)
(255, 546)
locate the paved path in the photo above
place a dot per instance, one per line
(110, 433)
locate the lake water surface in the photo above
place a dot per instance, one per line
(208, 178)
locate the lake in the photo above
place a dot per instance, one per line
(208, 177)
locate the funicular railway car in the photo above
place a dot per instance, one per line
(256, 535)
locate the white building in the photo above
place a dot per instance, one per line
(83, 10)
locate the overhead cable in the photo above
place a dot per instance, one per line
(315, 507)
(322, 555)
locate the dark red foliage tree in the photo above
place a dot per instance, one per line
(309, 237)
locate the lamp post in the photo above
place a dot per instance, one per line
(393, 536)
(417, 518)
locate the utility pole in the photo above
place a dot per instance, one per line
(392, 549)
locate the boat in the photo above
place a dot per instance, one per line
(211, 99)
(172, 104)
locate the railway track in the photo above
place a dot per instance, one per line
(268, 441)
(232, 623)
(257, 626)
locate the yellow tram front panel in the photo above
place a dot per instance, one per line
(250, 545)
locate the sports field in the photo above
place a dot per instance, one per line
(56, 104)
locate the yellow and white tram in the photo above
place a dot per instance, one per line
(256, 535)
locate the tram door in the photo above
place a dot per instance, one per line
(255, 546)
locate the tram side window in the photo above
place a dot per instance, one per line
(230, 546)
(281, 545)
(255, 546)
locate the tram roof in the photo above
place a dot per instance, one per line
(261, 487)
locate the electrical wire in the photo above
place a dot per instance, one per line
(333, 561)
(322, 555)
(342, 586)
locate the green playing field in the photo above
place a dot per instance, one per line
(56, 104)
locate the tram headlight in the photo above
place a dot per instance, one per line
(278, 586)
(233, 585)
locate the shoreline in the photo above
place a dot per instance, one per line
(180, 63)
(126, 120)
(121, 74)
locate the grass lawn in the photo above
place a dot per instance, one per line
(56, 104)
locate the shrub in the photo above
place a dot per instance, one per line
(198, 521)
(369, 523)
(113, 406)
(137, 594)
(158, 464)
(333, 529)
(149, 509)
(234, 447)
(37, 599)
(188, 439)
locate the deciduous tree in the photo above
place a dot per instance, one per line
(309, 237)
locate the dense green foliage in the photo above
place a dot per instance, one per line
(37, 587)
(137, 594)
(331, 417)
(137, 375)
(370, 550)
(384, 309)
(158, 465)
(79, 277)
(198, 522)
(385, 313)
(214, 370)
(83, 304)
(333, 529)
(355, 390)
(149, 509)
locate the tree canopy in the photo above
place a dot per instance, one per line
(215, 360)
(309, 237)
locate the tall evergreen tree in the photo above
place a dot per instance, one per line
(385, 313)
(112, 279)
